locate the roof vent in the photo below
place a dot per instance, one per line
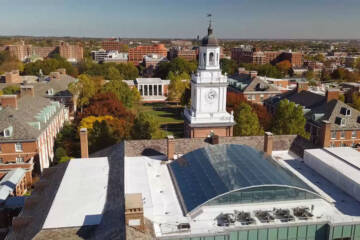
(224, 220)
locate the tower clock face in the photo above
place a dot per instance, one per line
(211, 95)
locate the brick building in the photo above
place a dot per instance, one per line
(11, 77)
(28, 126)
(251, 87)
(136, 55)
(185, 53)
(151, 89)
(330, 122)
(20, 51)
(113, 45)
(72, 53)
(247, 54)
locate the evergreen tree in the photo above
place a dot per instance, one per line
(100, 137)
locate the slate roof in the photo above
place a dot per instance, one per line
(330, 111)
(19, 119)
(247, 84)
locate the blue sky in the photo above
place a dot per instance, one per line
(182, 18)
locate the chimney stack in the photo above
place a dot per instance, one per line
(332, 94)
(9, 101)
(170, 147)
(253, 74)
(268, 143)
(302, 86)
(215, 139)
(84, 143)
(325, 133)
(27, 90)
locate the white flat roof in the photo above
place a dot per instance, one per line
(81, 196)
(336, 163)
(347, 154)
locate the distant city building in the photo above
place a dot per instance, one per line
(109, 56)
(113, 45)
(72, 53)
(26, 52)
(151, 89)
(181, 43)
(248, 54)
(151, 62)
(188, 54)
(136, 55)
(350, 61)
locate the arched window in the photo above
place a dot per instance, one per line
(212, 59)
(205, 59)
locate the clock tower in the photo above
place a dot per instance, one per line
(207, 114)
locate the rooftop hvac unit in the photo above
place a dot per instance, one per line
(302, 213)
(283, 215)
(244, 218)
(224, 220)
(183, 226)
(264, 216)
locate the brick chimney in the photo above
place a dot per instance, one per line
(13, 77)
(27, 90)
(253, 74)
(242, 70)
(332, 94)
(55, 75)
(268, 143)
(9, 101)
(325, 133)
(84, 143)
(62, 71)
(215, 139)
(170, 147)
(302, 86)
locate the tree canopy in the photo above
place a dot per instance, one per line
(128, 96)
(146, 126)
(178, 85)
(228, 66)
(9, 63)
(85, 88)
(289, 119)
(267, 70)
(11, 89)
(247, 122)
(49, 65)
(177, 66)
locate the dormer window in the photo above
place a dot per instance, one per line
(8, 132)
(348, 112)
(343, 122)
(50, 91)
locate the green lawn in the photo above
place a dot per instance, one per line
(170, 117)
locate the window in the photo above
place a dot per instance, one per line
(342, 134)
(8, 132)
(212, 59)
(332, 144)
(1, 160)
(261, 97)
(19, 160)
(353, 135)
(343, 144)
(204, 58)
(348, 112)
(333, 135)
(18, 147)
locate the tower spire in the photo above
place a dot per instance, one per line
(210, 30)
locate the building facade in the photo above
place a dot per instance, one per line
(136, 55)
(72, 53)
(207, 114)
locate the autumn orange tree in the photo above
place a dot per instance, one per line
(284, 66)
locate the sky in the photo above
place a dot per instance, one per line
(249, 19)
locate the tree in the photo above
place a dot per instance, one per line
(186, 97)
(130, 97)
(178, 85)
(342, 97)
(100, 137)
(68, 139)
(228, 66)
(9, 63)
(11, 90)
(247, 122)
(289, 119)
(177, 66)
(50, 65)
(284, 66)
(128, 71)
(146, 126)
(310, 75)
(267, 70)
(85, 88)
(113, 74)
(106, 104)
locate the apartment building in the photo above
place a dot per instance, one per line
(72, 53)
